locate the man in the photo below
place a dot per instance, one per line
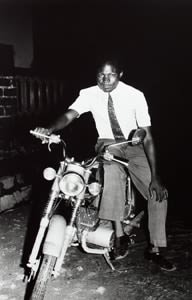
(132, 113)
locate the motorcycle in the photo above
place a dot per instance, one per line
(77, 188)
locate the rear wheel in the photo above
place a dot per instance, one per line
(43, 276)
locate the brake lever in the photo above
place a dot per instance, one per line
(53, 139)
(49, 139)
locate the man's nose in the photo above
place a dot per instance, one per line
(106, 78)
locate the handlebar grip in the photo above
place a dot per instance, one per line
(38, 134)
(53, 138)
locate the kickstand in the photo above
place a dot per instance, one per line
(107, 258)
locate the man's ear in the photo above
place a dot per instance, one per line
(121, 74)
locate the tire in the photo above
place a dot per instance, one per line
(42, 278)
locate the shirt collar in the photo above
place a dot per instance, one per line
(111, 93)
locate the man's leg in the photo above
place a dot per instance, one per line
(113, 196)
(157, 211)
(112, 204)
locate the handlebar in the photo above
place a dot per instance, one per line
(137, 138)
(133, 140)
(49, 139)
(52, 138)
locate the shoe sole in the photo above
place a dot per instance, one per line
(168, 270)
(163, 269)
(122, 256)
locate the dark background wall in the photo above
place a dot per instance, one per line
(16, 33)
(153, 39)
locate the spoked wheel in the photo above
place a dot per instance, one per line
(42, 277)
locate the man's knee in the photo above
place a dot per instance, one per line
(115, 170)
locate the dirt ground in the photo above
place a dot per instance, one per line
(88, 277)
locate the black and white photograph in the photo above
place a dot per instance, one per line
(95, 150)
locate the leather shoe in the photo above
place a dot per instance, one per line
(159, 260)
(120, 249)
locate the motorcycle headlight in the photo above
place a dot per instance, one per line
(94, 188)
(72, 184)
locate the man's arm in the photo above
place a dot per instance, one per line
(155, 185)
(60, 123)
(63, 121)
(150, 151)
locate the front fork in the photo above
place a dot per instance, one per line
(70, 229)
(70, 232)
(33, 261)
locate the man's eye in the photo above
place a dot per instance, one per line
(101, 75)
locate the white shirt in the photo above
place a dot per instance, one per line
(129, 103)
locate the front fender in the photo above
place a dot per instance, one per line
(55, 236)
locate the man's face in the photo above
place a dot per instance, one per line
(108, 78)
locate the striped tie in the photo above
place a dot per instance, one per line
(117, 132)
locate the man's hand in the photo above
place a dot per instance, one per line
(138, 136)
(159, 190)
(43, 131)
(107, 155)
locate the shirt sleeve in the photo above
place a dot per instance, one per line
(142, 112)
(81, 104)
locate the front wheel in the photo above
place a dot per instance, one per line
(43, 276)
